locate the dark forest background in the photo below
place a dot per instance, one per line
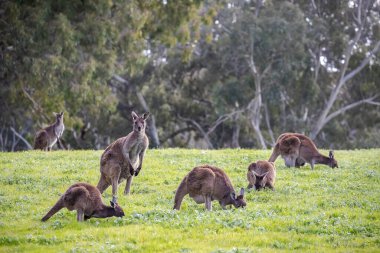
(213, 74)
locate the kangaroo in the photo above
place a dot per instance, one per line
(261, 174)
(87, 201)
(123, 158)
(205, 184)
(47, 137)
(298, 149)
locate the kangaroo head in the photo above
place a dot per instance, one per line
(333, 162)
(118, 210)
(257, 180)
(139, 122)
(250, 176)
(59, 116)
(239, 200)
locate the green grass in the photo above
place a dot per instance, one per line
(311, 211)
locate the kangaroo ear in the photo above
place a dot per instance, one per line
(252, 166)
(331, 154)
(146, 115)
(134, 115)
(233, 195)
(242, 191)
(61, 113)
(112, 204)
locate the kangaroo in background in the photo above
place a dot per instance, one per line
(87, 201)
(261, 174)
(48, 136)
(297, 149)
(205, 184)
(124, 157)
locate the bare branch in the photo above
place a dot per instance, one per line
(373, 103)
(200, 129)
(222, 119)
(22, 138)
(350, 106)
(314, 5)
(120, 79)
(175, 133)
(363, 63)
(36, 105)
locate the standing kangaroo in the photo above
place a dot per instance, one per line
(261, 174)
(296, 149)
(124, 157)
(87, 201)
(47, 137)
(205, 184)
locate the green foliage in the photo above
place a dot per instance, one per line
(190, 61)
(60, 55)
(324, 209)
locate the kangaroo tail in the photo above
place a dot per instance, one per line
(180, 193)
(58, 206)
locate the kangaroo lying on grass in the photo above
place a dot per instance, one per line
(124, 157)
(87, 201)
(205, 184)
(261, 174)
(296, 149)
(47, 137)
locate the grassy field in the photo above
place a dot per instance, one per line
(311, 211)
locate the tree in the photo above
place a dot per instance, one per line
(352, 29)
(263, 40)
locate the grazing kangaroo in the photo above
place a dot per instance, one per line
(87, 201)
(261, 174)
(205, 184)
(124, 157)
(47, 137)
(296, 149)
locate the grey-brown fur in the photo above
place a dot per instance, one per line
(87, 201)
(205, 184)
(297, 149)
(123, 158)
(261, 174)
(47, 137)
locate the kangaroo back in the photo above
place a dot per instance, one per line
(75, 194)
(289, 144)
(58, 206)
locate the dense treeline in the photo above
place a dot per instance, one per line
(213, 74)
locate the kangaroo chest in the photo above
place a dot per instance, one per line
(135, 152)
(59, 130)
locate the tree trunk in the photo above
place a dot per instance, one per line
(254, 108)
(152, 129)
(235, 131)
